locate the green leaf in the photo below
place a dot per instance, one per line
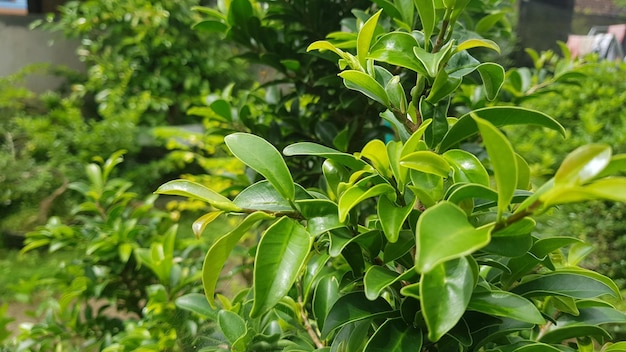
(445, 292)
(514, 240)
(396, 94)
(615, 347)
(442, 87)
(195, 190)
(364, 83)
(321, 215)
(196, 303)
(432, 62)
(616, 165)
(493, 78)
(438, 113)
(232, 325)
(396, 48)
(210, 26)
(220, 251)
(263, 158)
(392, 216)
(478, 43)
(523, 173)
(201, 223)
(326, 294)
(394, 154)
(583, 164)
(466, 167)
(499, 116)
(364, 38)
(485, 24)
(426, 10)
(394, 336)
(353, 307)
(376, 152)
(426, 161)
(280, 256)
(377, 278)
(395, 250)
(325, 45)
(503, 162)
(308, 148)
(505, 304)
(446, 223)
(567, 284)
(358, 193)
(584, 324)
(427, 187)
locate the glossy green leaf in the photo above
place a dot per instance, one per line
(396, 48)
(201, 223)
(394, 154)
(426, 10)
(505, 304)
(395, 250)
(503, 162)
(426, 161)
(498, 116)
(413, 143)
(353, 307)
(358, 193)
(376, 152)
(377, 278)
(326, 294)
(446, 223)
(432, 62)
(364, 83)
(615, 347)
(533, 347)
(442, 87)
(198, 304)
(610, 188)
(264, 196)
(466, 167)
(210, 26)
(308, 148)
(392, 216)
(493, 78)
(190, 189)
(364, 38)
(471, 191)
(523, 173)
(595, 276)
(394, 335)
(616, 166)
(478, 43)
(396, 94)
(321, 215)
(583, 164)
(570, 326)
(232, 325)
(438, 113)
(512, 241)
(325, 45)
(564, 283)
(427, 187)
(445, 292)
(220, 251)
(263, 158)
(280, 256)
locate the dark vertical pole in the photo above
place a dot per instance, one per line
(541, 24)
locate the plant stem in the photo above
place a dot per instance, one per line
(305, 320)
(442, 34)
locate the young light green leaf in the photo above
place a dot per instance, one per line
(426, 161)
(503, 162)
(445, 292)
(395, 336)
(446, 223)
(364, 38)
(220, 250)
(321, 215)
(201, 223)
(364, 83)
(583, 164)
(280, 255)
(196, 303)
(523, 173)
(263, 158)
(432, 62)
(190, 189)
(392, 216)
(396, 94)
(358, 193)
(376, 152)
(377, 278)
(466, 167)
(498, 116)
(476, 43)
(426, 10)
(427, 187)
(353, 307)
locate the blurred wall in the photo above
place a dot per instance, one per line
(21, 46)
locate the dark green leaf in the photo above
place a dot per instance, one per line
(445, 292)
(505, 304)
(352, 307)
(232, 325)
(281, 254)
(395, 336)
(326, 294)
(565, 284)
(321, 215)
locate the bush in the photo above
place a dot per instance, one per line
(414, 243)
